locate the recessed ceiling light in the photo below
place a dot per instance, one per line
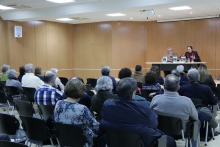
(64, 19)
(131, 18)
(191, 12)
(115, 14)
(180, 8)
(61, 1)
(159, 15)
(5, 7)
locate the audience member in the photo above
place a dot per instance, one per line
(126, 114)
(151, 82)
(22, 72)
(58, 82)
(104, 92)
(199, 91)
(38, 73)
(106, 72)
(69, 111)
(176, 73)
(182, 107)
(11, 80)
(160, 104)
(192, 55)
(183, 79)
(126, 72)
(4, 76)
(205, 77)
(29, 79)
(138, 75)
(47, 94)
(159, 78)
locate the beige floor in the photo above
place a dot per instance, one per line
(180, 143)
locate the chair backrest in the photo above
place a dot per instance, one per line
(2, 97)
(8, 124)
(216, 91)
(11, 144)
(197, 102)
(29, 93)
(12, 90)
(2, 85)
(123, 139)
(24, 108)
(35, 129)
(63, 80)
(171, 126)
(46, 110)
(88, 87)
(69, 135)
(91, 81)
(145, 94)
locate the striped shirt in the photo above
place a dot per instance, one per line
(47, 95)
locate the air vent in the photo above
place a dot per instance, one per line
(79, 18)
(18, 6)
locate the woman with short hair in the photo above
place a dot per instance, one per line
(69, 111)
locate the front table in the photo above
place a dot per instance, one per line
(169, 66)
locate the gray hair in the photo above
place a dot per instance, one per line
(11, 73)
(193, 75)
(105, 70)
(180, 68)
(49, 76)
(5, 68)
(126, 87)
(29, 68)
(176, 73)
(54, 70)
(104, 83)
(171, 83)
(74, 88)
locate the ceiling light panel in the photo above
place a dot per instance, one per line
(61, 1)
(180, 8)
(116, 14)
(5, 8)
(64, 19)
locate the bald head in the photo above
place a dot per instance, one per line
(171, 83)
(49, 77)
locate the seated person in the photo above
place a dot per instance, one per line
(29, 79)
(126, 114)
(38, 73)
(106, 72)
(4, 75)
(182, 107)
(159, 78)
(138, 75)
(199, 91)
(11, 81)
(176, 73)
(183, 78)
(150, 82)
(58, 81)
(69, 111)
(47, 94)
(192, 55)
(126, 72)
(21, 73)
(205, 77)
(170, 54)
(104, 91)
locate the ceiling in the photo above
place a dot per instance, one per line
(87, 11)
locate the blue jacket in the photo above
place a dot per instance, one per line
(130, 115)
